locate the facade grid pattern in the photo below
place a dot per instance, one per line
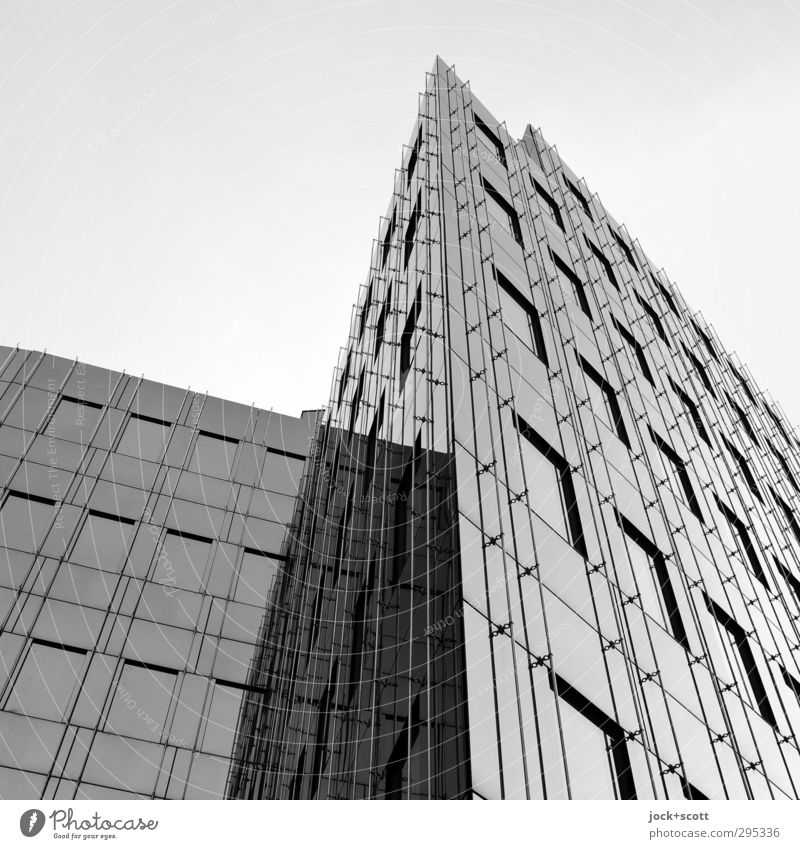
(141, 531)
(625, 619)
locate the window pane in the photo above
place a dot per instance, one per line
(544, 488)
(208, 777)
(46, 681)
(213, 456)
(567, 286)
(222, 719)
(740, 673)
(500, 217)
(671, 473)
(141, 701)
(256, 575)
(73, 421)
(144, 439)
(24, 522)
(102, 543)
(182, 562)
(515, 318)
(590, 775)
(597, 398)
(642, 566)
(490, 146)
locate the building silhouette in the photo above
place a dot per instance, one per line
(542, 542)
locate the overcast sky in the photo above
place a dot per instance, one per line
(189, 190)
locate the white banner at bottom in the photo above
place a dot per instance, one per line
(385, 824)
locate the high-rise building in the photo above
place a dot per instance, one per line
(141, 529)
(547, 546)
(542, 543)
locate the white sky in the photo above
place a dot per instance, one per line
(189, 190)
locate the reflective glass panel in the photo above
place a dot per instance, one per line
(144, 438)
(102, 543)
(46, 681)
(590, 775)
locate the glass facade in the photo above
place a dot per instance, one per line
(142, 528)
(541, 544)
(547, 547)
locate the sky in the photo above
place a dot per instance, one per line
(190, 190)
